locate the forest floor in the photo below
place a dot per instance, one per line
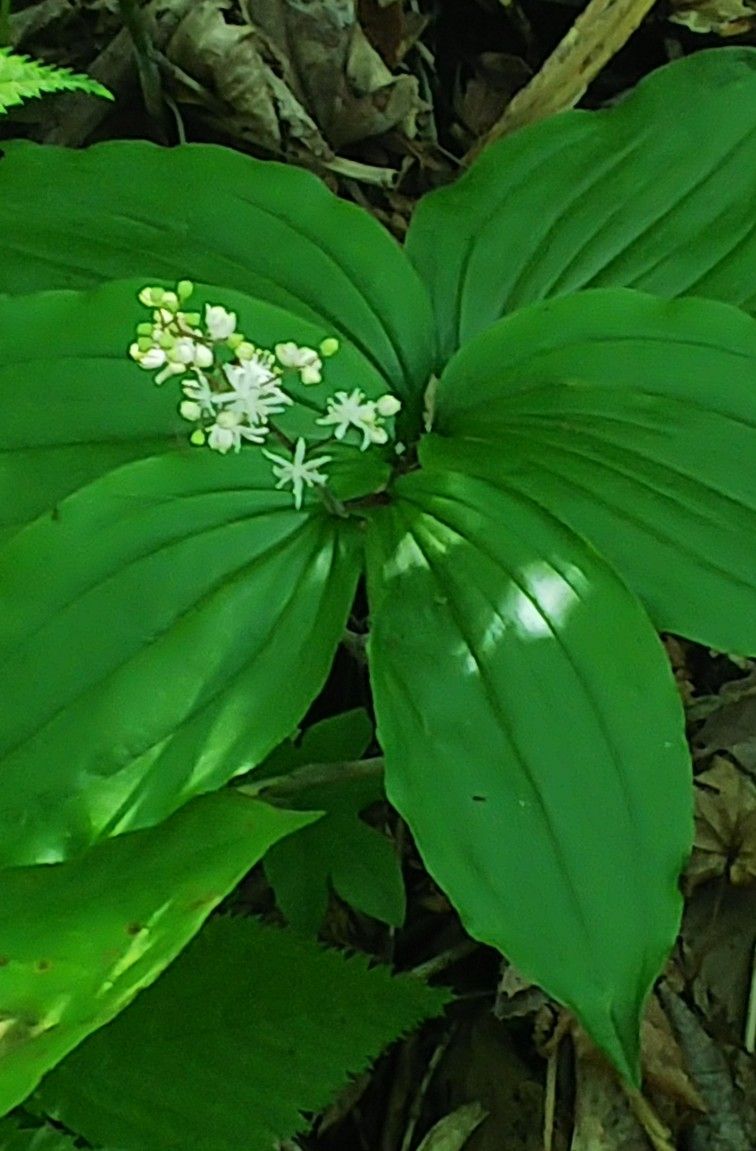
(435, 77)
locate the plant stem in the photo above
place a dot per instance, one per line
(277, 789)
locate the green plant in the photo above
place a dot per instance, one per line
(570, 469)
(24, 79)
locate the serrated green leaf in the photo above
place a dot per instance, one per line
(359, 862)
(534, 742)
(24, 79)
(129, 208)
(655, 193)
(78, 940)
(250, 1027)
(167, 616)
(634, 421)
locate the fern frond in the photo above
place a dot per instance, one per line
(24, 79)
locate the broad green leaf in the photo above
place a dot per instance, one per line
(533, 740)
(201, 212)
(359, 862)
(633, 420)
(167, 618)
(75, 406)
(655, 193)
(79, 939)
(249, 1029)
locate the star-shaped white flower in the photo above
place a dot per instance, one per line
(353, 410)
(199, 391)
(228, 431)
(298, 472)
(254, 391)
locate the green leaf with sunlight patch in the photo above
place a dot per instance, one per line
(633, 420)
(655, 193)
(78, 940)
(167, 616)
(249, 1029)
(534, 742)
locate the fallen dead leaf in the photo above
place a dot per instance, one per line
(721, 17)
(725, 1126)
(725, 839)
(717, 941)
(338, 75)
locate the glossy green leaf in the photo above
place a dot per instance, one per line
(250, 1028)
(634, 421)
(99, 410)
(534, 742)
(656, 193)
(340, 849)
(167, 616)
(128, 208)
(79, 939)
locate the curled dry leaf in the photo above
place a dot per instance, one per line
(340, 78)
(725, 840)
(294, 79)
(237, 63)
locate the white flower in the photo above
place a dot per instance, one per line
(188, 352)
(228, 431)
(298, 471)
(353, 410)
(255, 391)
(220, 323)
(250, 374)
(306, 360)
(199, 391)
(148, 358)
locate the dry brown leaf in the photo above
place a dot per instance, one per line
(241, 67)
(721, 17)
(725, 1125)
(663, 1062)
(339, 76)
(725, 841)
(717, 941)
(731, 727)
(604, 1120)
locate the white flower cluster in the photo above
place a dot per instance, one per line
(231, 400)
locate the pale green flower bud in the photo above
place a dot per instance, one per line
(184, 289)
(190, 409)
(387, 406)
(328, 347)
